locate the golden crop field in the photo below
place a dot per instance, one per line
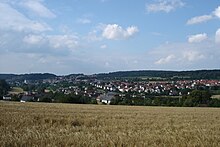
(36, 124)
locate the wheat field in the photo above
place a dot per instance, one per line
(39, 124)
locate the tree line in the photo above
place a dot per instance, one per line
(197, 98)
(197, 74)
(66, 98)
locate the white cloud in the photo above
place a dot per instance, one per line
(204, 18)
(92, 36)
(54, 44)
(38, 8)
(63, 41)
(84, 21)
(187, 56)
(165, 60)
(217, 36)
(197, 38)
(130, 31)
(21, 34)
(199, 19)
(116, 32)
(217, 12)
(164, 5)
(192, 55)
(33, 39)
(11, 19)
(38, 63)
(104, 46)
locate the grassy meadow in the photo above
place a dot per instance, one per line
(36, 124)
(16, 90)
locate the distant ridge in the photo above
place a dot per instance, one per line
(32, 76)
(192, 74)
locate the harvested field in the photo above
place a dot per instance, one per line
(39, 124)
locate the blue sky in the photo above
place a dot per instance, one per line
(94, 36)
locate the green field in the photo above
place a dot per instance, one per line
(36, 124)
(16, 90)
(216, 96)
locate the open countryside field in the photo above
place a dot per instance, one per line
(36, 124)
(16, 90)
(216, 96)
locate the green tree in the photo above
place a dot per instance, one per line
(4, 88)
(200, 96)
(214, 103)
(197, 98)
(47, 97)
(116, 100)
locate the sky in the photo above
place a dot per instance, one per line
(96, 36)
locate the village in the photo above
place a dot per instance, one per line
(102, 91)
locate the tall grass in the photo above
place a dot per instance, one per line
(35, 124)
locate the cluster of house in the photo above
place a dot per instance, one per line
(155, 87)
(24, 98)
(104, 91)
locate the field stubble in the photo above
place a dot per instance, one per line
(36, 124)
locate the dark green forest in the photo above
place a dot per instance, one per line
(197, 74)
(34, 76)
(4, 88)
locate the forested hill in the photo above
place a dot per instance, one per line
(34, 76)
(197, 74)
